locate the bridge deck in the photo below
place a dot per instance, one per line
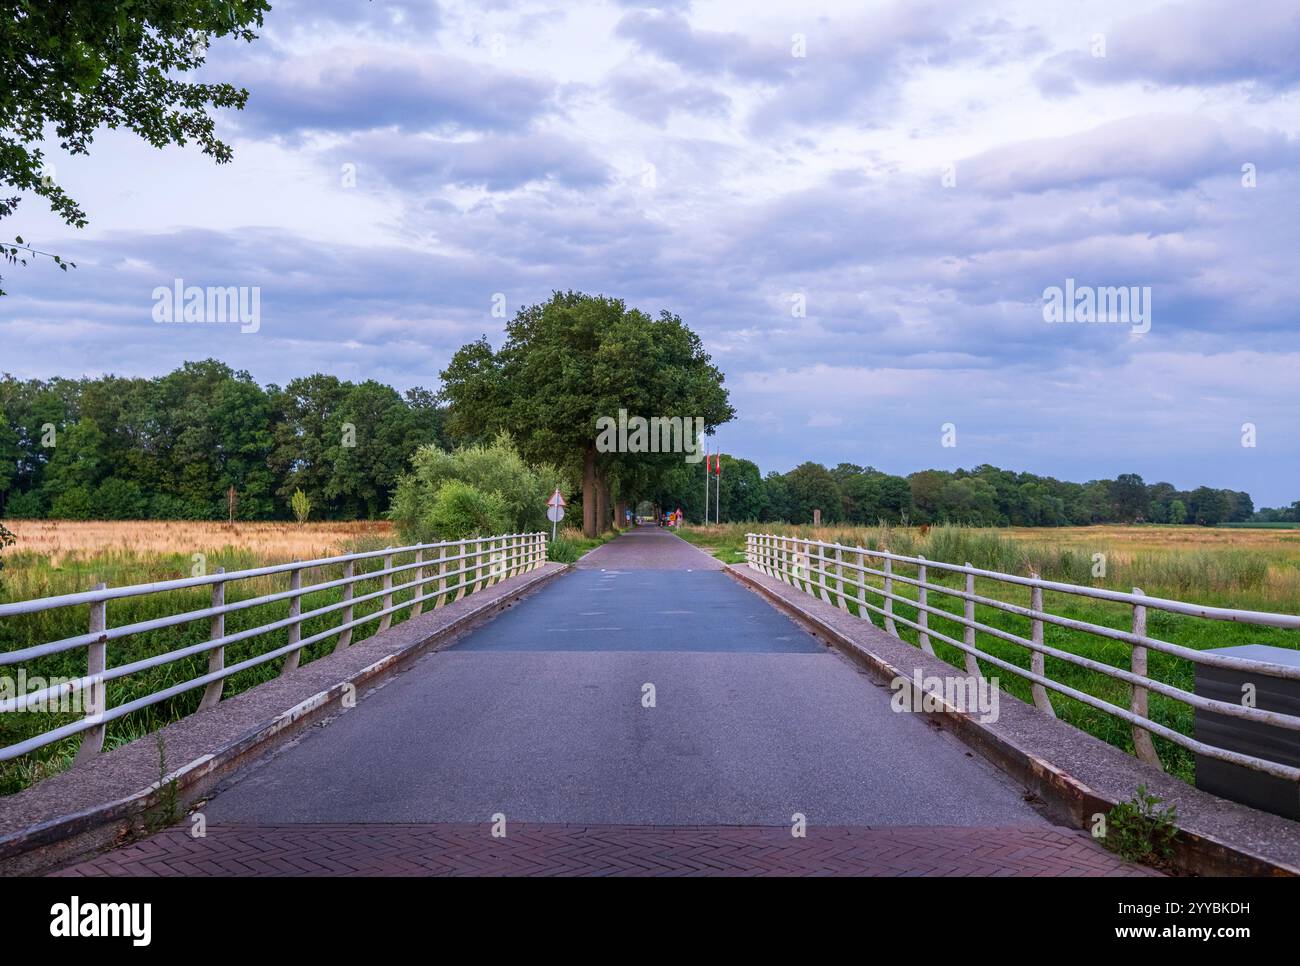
(539, 716)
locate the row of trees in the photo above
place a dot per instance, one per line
(983, 496)
(171, 447)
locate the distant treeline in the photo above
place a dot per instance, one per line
(171, 447)
(983, 496)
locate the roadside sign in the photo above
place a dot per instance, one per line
(555, 510)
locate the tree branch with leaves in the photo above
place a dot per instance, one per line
(73, 67)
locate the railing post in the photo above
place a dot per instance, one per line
(418, 596)
(386, 621)
(1037, 663)
(349, 573)
(862, 586)
(95, 697)
(442, 577)
(295, 629)
(822, 566)
(464, 569)
(839, 578)
(922, 602)
(968, 633)
(1143, 746)
(216, 656)
(890, 626)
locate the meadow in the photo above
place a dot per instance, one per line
(61, 557)
(1255, 569)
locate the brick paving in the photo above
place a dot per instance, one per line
(618, 850)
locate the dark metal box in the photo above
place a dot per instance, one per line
(1281, 745)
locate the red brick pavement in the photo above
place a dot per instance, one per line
(535, 850)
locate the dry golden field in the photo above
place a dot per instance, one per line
(57, 540)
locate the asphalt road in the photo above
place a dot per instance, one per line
(540, 715)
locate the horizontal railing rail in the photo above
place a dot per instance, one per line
(457, 567)
(827, 569)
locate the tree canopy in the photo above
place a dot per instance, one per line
(566, 363)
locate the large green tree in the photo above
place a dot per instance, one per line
(566, 363)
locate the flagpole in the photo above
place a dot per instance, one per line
(717, 503)
(706, 483)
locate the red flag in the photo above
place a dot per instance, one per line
(717, 465)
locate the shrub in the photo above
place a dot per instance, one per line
(72, 504)
(563, 550)
(496, 469)
(25, 506)
(119, 500)
(461, 510)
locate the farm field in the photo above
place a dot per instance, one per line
(1245, 569)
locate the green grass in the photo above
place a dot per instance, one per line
(1202, 576)
(24, 573)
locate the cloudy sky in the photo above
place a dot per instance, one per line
(857, 205)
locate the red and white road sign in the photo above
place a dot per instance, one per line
(557, 499)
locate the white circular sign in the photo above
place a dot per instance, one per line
(555, 513)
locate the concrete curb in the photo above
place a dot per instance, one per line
(1073, 783)
(61, 839)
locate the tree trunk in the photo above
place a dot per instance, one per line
(602, 501)
(589, 488)
(620, 513)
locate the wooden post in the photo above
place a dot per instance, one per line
(386, 621)
(295, 629)
(345, 637)
(1037, 663)
(968, 635)
(1143, 746)
(839, 579)
(216, 656)
(922, 602)
(95, 697)
(889, 601)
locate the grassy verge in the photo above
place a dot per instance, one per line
(1224, 580)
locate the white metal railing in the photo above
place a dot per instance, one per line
(820, 568)
(476, 562)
